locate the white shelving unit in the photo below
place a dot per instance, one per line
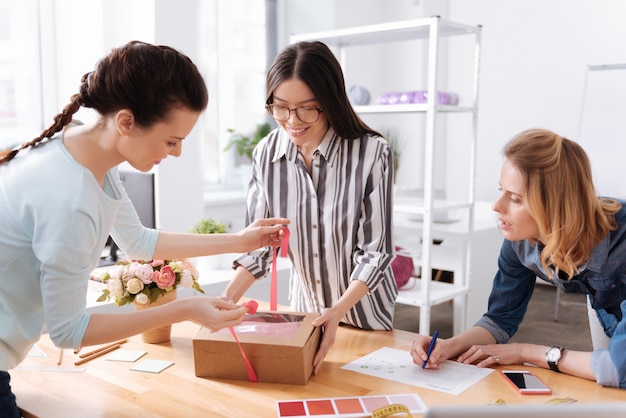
(431, 30)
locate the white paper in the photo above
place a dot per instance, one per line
(397, 365)
(36, 351)
(152, 366)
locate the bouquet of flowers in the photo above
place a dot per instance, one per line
(144, 282)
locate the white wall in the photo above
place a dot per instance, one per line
(534, 59)
(180, 179)
(535, 55)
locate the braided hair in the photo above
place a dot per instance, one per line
(149, 80)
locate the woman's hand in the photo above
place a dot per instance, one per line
(440, 353)
(214, 313)
(262, 233)
(450, 348)
(329, 322)
(493, 354)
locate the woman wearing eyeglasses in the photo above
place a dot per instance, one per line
(331, 175)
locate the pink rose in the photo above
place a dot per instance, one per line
(164, 278)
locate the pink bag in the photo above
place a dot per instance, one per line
(403, 268)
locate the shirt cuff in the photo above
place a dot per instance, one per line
(604, 369)
(498, 333)
(257, 266)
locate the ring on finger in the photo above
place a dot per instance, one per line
(496, 358)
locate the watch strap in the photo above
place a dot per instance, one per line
(554, 364)
(554, 367)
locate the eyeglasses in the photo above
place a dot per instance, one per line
(283, 113)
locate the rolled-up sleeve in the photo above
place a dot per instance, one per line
(609, 365)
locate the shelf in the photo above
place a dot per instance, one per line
(412, 205)
(440, 292)
(386, 32)
(411, 108)
(418, 221)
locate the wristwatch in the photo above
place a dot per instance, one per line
(553, 355)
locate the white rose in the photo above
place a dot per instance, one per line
(144, 273)
(134, 286)
(116, 272)
(142, 299)
(186, 279)
(115, 287)
(131, 268)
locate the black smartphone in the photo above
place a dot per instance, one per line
(525, 382)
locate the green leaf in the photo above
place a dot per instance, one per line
(105, 296)
(123, 300)
(244, 145)
(197, 287)
(208, 226)
(153, 294)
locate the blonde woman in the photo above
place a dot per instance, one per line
(557, 229)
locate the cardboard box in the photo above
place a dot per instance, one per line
(279, 345)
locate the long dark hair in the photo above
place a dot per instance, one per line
(149, 80)
(315, 64)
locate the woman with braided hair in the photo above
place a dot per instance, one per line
(61, 197)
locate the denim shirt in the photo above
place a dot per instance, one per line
(602, 278)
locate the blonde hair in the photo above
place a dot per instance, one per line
(561, 197)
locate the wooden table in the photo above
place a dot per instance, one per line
(107, 388)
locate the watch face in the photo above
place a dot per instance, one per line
(553, 354)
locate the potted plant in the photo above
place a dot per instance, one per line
(147, 283)
(244, 145)
(208, 226)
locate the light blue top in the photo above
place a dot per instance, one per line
(54, 222)
(602, 278)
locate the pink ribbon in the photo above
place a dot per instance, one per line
(284, 244)
(253, 305)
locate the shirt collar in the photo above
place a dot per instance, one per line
(328, 148)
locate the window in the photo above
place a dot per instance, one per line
(232, 44)
(20, 77)
(232, 59)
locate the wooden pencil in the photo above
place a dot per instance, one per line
(98, 354)
(102, 348)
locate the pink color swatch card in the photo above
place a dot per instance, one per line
(348, 407)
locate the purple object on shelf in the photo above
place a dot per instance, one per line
(419, 96)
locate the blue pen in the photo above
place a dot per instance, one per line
(430, 348)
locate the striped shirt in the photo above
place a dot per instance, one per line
(341, 222)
